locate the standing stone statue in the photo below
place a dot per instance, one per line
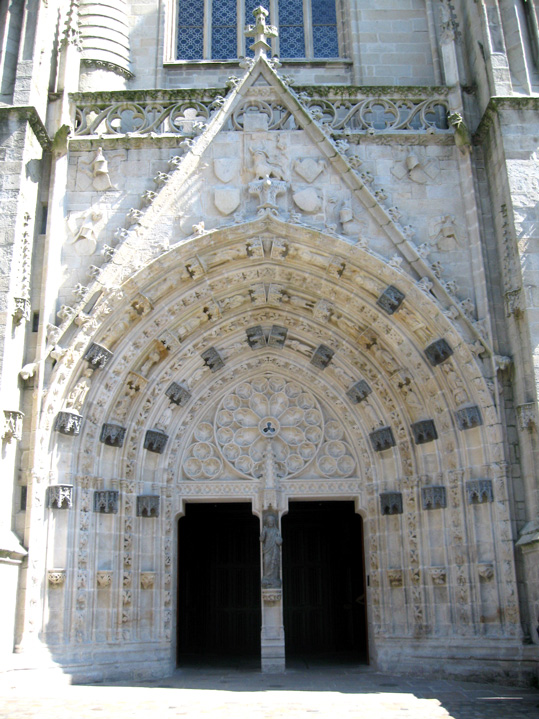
(271, 548)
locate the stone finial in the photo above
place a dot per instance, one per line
(260, 31)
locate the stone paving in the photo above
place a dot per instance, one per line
(344, 692)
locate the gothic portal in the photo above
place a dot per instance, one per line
(268, 332)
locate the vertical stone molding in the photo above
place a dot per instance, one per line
(60, 496)
(12, 425)
(148, 505)
(106, 501)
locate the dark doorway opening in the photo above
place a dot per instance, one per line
(219, 614)
(323, 582)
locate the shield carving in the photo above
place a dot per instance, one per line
(307, 200)
(309, 169)
(226, 168)
(227, 199)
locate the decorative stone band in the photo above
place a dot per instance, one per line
(12, 424)
(322, 356)
(213, 359)
(424, 431)
(56, 577)
(155, 441)
(359, 391)
(438, 352)
(68, 423)
(148, 505)
(97, 355)
(479, 491)
(112, 435)
(60, 496)
(178, 393)
(468, 417)
(21, 310)
(106, 501)
(433, 498)
(391, 503)
(277, 336)
(390, 300)
(382, 439)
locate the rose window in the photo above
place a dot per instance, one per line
(269, 409)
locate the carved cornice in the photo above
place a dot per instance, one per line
(492, 111)
(29, 114)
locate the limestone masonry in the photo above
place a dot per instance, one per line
(282, 260)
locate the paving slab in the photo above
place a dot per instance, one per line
(347, 693)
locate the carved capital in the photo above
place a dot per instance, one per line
(56, 577)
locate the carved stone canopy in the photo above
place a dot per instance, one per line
(433, 498)
(68, 423)
(382, 439)
(213, 359)
(106, 501)
(97, 355)
(178, 393)
(438, 352)
(322, 356)
(155, 441)
(391, 299)
(424, 431)
(60, 496)
(359, 391)
(391, 503)
(148, 505)
(113, 435)
(468, 417)
(479, 491)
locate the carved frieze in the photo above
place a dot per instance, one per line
(112, 435)
(479, 491)
(438, 352)
(468, 417)
(148, 505)
(106, 501)
(390, 300)
(60, 496)
(68, 423)
(155, 441)
(97, 355)
(382, 439)
(424, 431)
(433, 498)
(391, 503)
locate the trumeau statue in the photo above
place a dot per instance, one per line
(271, 548)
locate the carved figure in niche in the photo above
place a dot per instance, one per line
(153, 358)
(84, 228)
(263, 167)
(383, 358)
(78, 394)
(444, 233)
(271, 549)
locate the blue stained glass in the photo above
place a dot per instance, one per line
(224, 43)
(223, 12)
(325, 41)
(291, 12)
(191, 13)
(323, 12)
(249, 7)
(190, 43)
(291, 41)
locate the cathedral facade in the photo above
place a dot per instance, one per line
(269, 318)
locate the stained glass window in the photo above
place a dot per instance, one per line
(307, 28)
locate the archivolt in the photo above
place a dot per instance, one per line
(208, 291)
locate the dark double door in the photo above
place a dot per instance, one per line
(219, 612)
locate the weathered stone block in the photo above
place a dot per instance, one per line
(97, 355)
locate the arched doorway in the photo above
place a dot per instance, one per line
(219, 613)
(323, 582)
